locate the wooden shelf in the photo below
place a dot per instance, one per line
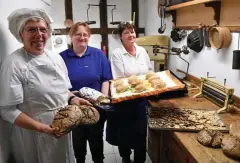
(191, 3)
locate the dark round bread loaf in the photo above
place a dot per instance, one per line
(210, 138)
(72, 115)
(231, 147)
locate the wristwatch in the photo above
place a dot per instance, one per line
(70, 99)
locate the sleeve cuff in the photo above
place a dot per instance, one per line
(9, 113)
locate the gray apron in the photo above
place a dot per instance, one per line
(45, 91)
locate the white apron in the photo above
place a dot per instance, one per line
(45, 90)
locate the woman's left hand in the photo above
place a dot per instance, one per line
(80, 101)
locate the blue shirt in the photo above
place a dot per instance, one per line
(89, 70)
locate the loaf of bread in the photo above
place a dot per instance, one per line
(94, 96)
(231, 147)
(234, 129)
(210, 138)
(71, 116)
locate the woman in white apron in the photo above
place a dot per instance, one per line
(34, 85)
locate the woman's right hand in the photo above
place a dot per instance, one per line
(43, 128)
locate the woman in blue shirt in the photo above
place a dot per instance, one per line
(87, 67)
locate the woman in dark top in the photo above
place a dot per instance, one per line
(127, 125)
(87, 67)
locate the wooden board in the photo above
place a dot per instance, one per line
(185, 119)
(230, 13)
(187, 140)
(172, 83)
(200, 152)
(186, 4)
(193, 15)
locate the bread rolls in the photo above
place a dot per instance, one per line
(118, 82)
(149, 74)
(140, 88)
(158, 83)
(121, 88)
(153, 77)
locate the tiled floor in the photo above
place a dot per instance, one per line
(111, 154)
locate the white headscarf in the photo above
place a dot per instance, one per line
(19, 17)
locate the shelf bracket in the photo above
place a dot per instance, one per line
(217, 9)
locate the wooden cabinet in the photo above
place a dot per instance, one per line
(164, 148)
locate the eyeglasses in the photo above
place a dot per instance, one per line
(35, 30)
(81, 35)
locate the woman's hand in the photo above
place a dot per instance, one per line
(80, 101)
(43, 128)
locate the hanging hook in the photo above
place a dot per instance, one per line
(89, 22)
(112, 11)
(114, 22)
(87, 11)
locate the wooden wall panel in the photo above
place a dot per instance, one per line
(230, 13)
(192, 15)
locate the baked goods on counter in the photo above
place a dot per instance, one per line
(234, 129)
(151, 83)
(71, 116)
(210, 138)
(185, 120)
(231, 147)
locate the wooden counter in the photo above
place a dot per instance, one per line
(181, 147)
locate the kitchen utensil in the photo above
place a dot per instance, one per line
(162, 16)
(220, 37)
(218, 94)
(236, 57)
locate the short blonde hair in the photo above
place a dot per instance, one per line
(74, 28)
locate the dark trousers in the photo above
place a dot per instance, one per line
(139, 154)
(94, 135)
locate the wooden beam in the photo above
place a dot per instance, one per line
(231, 28)
(135, 8)
(103, 24)
(190, 3)
(64, 31)
(68, 9)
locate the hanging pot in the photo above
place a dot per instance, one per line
(195, 40)
(220, 37)
(236, 59)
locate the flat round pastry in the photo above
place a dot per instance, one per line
(121, 88)
(118, 82)
(71, 116)
(149, 74)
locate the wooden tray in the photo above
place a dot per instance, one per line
(172, 83)
(192, 120)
